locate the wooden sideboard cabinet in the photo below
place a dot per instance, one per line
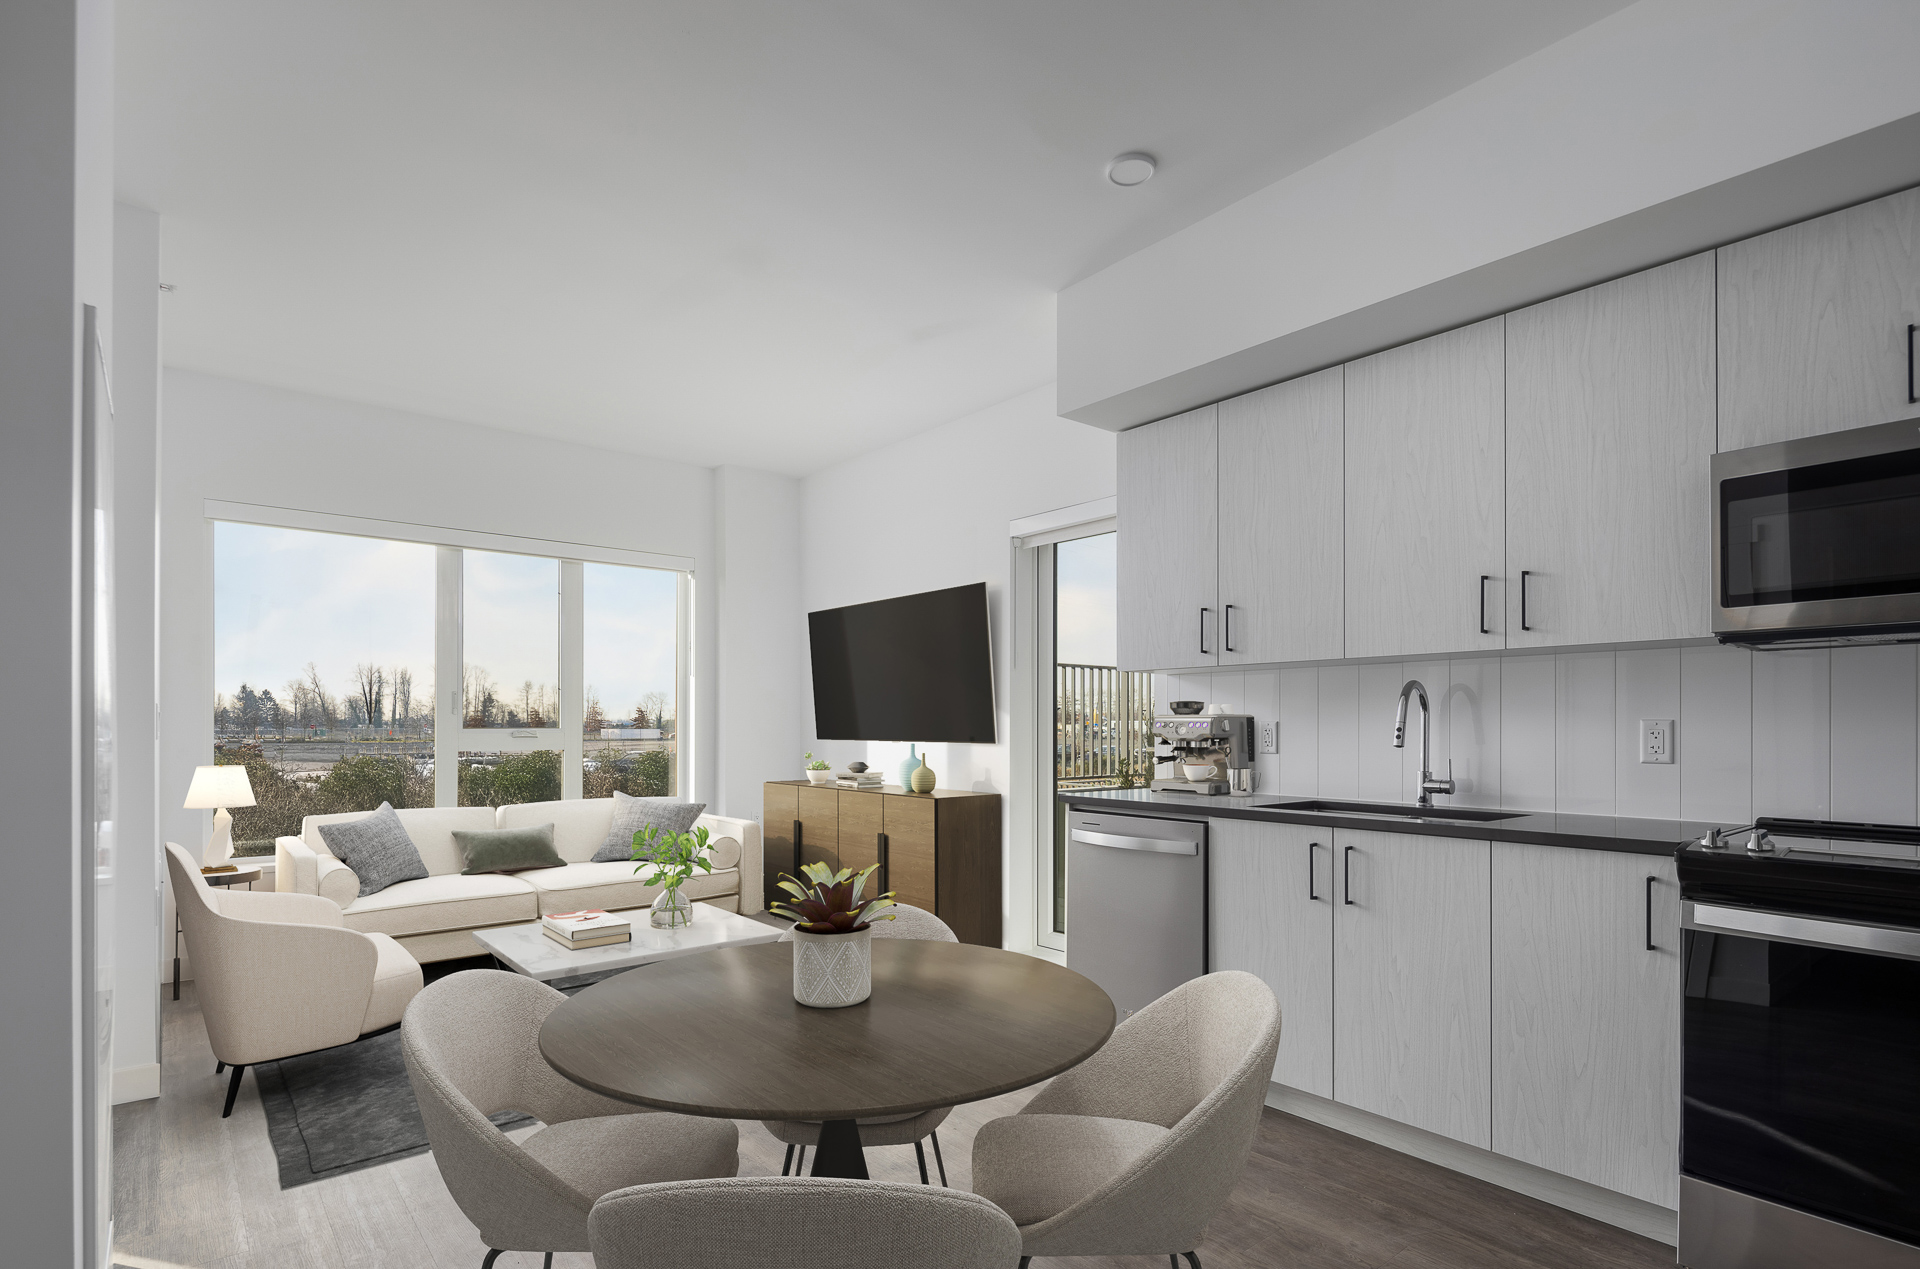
(939, 851)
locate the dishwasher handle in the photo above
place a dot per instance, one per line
(1120, 841)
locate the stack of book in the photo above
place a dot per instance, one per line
(859, 780)
(588, 928)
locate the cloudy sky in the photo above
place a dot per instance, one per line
(284, 597)
(1084, 571)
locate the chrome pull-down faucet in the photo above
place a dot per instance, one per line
(1428, 785)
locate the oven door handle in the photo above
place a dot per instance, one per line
(1784, 927)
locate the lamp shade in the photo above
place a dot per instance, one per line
(215, 787)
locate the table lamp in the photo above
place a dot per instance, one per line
(215, 789)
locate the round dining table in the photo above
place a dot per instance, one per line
(720, 1034)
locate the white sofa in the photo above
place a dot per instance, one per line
(433, 917)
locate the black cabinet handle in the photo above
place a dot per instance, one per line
(1226, 634)
(1312, 896)
(1651, 882)
(1524, 575)
(1484, 579)
(1346, 877)
(886, 866)
(1203, 630)
(1911, 398)
(797, 826)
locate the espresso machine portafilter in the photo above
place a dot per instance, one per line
(1221, 742)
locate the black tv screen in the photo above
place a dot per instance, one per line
(915, 668)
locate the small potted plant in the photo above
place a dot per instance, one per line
(817, 769)
(673, 859)
(832, 934)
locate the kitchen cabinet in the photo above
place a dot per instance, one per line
(1280, 522)
(1586, 1018)
(1813, 324)
(1412, 994)
(1272, 916)
(1168, 543)
(1610, 426)
(1425, 496)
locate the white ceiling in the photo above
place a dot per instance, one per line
(746, 231)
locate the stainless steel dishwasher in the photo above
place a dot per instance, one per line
(1136, 903)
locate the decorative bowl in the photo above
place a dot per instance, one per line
(1186, 707)
(821, 777)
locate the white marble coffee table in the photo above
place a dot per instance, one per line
(525, 950)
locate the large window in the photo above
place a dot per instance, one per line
(352, 670)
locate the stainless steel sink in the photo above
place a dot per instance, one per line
(1399, 810)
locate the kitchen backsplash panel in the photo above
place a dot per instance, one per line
(1826, 734)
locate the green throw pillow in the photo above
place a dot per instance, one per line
(507, 849)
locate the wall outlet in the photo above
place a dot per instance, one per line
(1269, 737)
(1656, 740)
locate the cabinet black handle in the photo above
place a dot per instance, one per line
(1484, 579)
(1651, 881)
(1911, 398)
(886, 865)
(1226, 634)
(1312, 896)
(1524, 575)
(797, 826)
(1346, 875)
(1203, 630)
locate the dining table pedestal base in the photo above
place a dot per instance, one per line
(839, 1152)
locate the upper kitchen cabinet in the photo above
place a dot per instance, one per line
(1280, 529)
(1425, 522)
(1610, 410)
(1168, 543)
(1813, 324)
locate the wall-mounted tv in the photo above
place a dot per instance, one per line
(919, 668)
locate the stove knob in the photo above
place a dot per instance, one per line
(1761, 843)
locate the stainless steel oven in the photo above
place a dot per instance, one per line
(1816, 542)
(1800, 1106)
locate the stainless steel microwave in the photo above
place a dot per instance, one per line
(1816, 542)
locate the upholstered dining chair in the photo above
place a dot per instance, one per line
(471, 1042)
(779, 1222)
(901, 1130)
(278, 975)
(1132, 1152)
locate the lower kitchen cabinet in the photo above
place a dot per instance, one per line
(1411, 985)
(1586, 1017)
(1272, 916)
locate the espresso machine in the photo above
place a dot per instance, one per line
(1222, 741)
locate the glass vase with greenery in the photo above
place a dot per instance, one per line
(673, 859)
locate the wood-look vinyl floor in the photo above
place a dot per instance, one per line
(193, 1191)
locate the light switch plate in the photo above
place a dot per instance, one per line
(1656, 740)
(1269, 737)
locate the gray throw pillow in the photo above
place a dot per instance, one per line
(506, 849)
(377, 848)
(630, 815)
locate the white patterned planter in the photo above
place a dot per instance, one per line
(832, 971)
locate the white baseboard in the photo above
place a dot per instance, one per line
(1638, 1216)
(136, 1083)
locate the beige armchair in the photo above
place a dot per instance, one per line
(900, 1130)
(279, 975)
(777, 1223)
(1132, 1152)
(472, 1048)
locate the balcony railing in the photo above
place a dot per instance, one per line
(1102, 726)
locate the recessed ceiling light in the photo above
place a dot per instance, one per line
(1133, 168)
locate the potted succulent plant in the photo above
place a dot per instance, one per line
(673, 859)
(832, 934)
(818, 770)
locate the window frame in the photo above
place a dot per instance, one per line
(450, 737)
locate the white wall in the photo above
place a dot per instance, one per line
(761, 633)
(1681, 123)
(1807, 734)
(139, 871)
(56, 253)
(932, 512)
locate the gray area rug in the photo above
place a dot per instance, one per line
(344, 1109)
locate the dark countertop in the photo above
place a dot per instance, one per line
(1584, 832)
